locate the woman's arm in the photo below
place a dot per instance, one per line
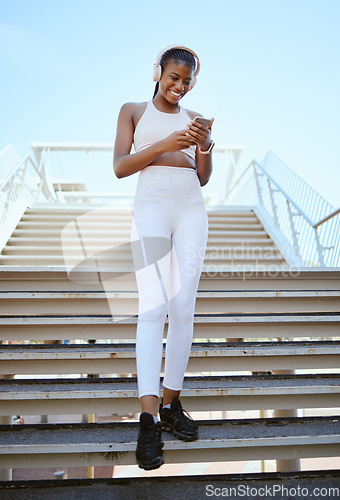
(124, 163)
(201, 135)
(204, 165)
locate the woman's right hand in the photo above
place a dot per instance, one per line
(176, 141)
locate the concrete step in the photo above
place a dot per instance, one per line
(126, 302)
(246, 233)
(194, 487)
(219, 440)
(93, 242)
(126, 260)
(38, 278)
(93, 222)
(213, 325)
(35, 359)
(119, 250)
(98, 225)
(74, 209)
(94, 216)
(71, 210)
(119, 395)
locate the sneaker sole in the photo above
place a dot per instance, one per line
(151, 465)
(184, 437)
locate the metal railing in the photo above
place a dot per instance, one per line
(47, 157)
(309, 224)
(9, 160)
(23, 184)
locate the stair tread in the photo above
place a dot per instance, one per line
(38, 248)
(222, 317)
(133, 294)
(114, 437)
(198, 386)
(212, 232)
(298, 273)
(179, 486)
(64, 221)
(128, 258)
(198, 349)
(117, 238)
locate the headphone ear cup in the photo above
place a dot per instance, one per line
(157, 72)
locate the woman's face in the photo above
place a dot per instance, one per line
(175, 81)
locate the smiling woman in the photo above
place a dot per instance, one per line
(175, 72)
(168, 239)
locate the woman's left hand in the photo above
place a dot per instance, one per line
(200, 134)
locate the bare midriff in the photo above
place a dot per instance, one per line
(175, 159)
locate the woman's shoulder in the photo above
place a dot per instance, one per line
(133, 107)
(192, 114)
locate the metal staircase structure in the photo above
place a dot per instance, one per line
(266, 336)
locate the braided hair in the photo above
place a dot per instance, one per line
(176, 55)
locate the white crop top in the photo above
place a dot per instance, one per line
(155, 125)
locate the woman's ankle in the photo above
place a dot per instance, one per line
(168, 396)
(149, 404)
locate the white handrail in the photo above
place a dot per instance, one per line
(9, 158)
(327, 218)
(15, 171)
(225, 163)
(286, 195)
(17, 191)
(307, 241)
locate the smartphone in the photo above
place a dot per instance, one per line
(203, 121)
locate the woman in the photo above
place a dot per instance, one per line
(168, 239)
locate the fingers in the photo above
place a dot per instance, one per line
(197, 134)
(185, 140)
(187, 144)
(199, 126)
(184, 137)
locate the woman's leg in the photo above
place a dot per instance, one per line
(150, 241)
(189, 241)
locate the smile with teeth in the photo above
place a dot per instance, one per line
(176, 93)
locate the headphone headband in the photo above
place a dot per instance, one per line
(158, 69)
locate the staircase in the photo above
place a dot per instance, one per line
(266, 337)
(37, 240)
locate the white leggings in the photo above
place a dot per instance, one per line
(168, 239)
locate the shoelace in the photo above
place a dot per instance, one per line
(181, 411)
(150, 434)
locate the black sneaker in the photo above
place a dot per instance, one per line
(149, 453)
(173, 420)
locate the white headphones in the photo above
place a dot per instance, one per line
(157, 69)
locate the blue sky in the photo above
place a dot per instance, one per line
(270, 75)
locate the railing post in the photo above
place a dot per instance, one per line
(272, 202)
(294, 232)
(9, 195)
(24, 173)
(258, 187)
(319, 247)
